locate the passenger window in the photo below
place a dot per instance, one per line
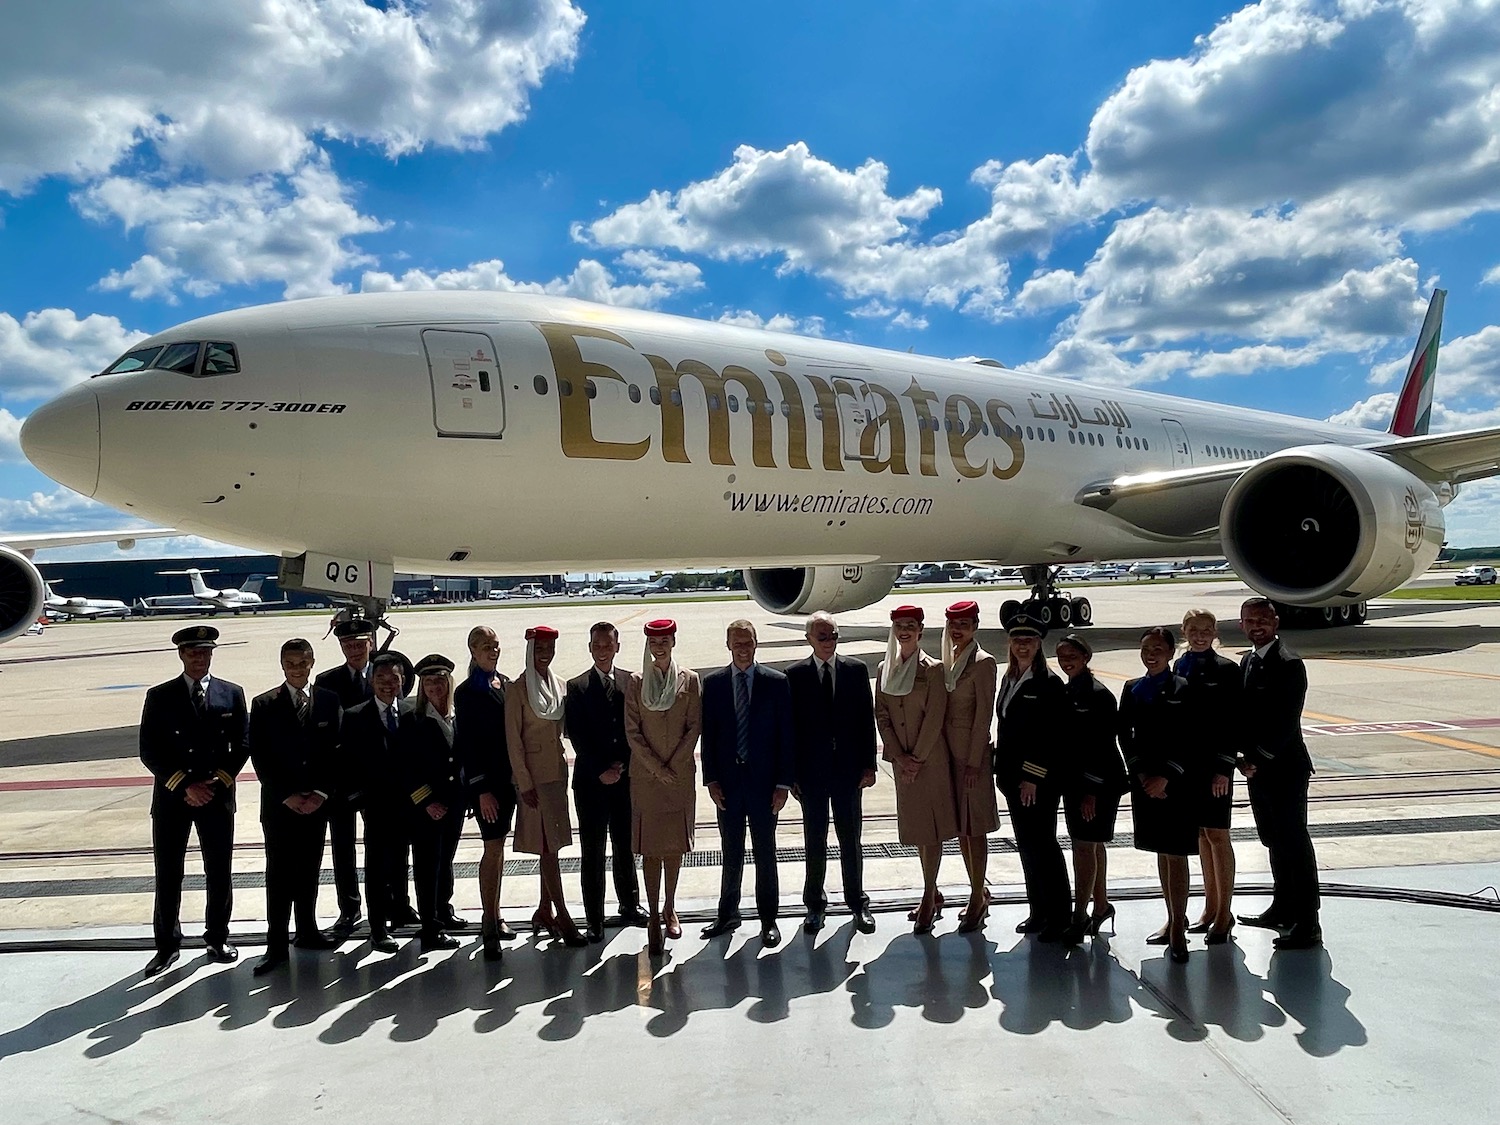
(676, 397)
(589, 389)
(786, 408)
(635, 393)
(565, 387)
(1050, 435)
(655, 395)
(539, 384)
(1028, 433)
(713, 402)
(179, 358)
(818, 411)
(132, 361)
(734, 404)
(220, 359)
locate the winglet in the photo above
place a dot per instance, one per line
(1414, 405)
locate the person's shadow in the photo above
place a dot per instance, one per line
(1303, 984)
(940, 976)
(1214, 989)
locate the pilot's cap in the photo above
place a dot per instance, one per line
(541, 633)
(1077, 642)
(1024, 625)
(196, 636)
(960, 610)
(399, 659)
(912, 611)
(434, 664)
(354, 627)
(661, 627)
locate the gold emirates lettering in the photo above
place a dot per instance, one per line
(881, 441)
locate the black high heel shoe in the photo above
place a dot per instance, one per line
(1201, 926)
(1217, 936)
(1096, 921)
(1161, 937)
(1179, 953)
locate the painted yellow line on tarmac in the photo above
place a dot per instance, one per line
(1420, 736)
(1412, 668)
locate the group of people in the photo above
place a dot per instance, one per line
(351, 744)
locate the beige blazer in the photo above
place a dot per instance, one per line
(662, 767)
(913, 723)
(971, 707)
(535, 745)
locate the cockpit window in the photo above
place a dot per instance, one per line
(133, 361)
(181, 358)
(220, 359)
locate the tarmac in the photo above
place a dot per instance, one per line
(1394, 1020)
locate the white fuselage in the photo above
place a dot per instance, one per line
(484, 432)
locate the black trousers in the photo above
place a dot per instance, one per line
(1279, 804)
(604, 812)
(294, 859)
(847, 806)
(434, 843)
(342, 832)
(170, 827)
(387, 842)
(1048, 891)
(754, 810)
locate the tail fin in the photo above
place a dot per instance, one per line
(1414, 405)
(252, 584)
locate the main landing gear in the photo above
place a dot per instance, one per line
(1321, 617)
(366, 609)
(1048, 603)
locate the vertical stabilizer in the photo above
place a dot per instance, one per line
(1414, 405)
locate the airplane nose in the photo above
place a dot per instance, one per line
(61, 438)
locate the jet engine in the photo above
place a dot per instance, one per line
(22, 593)
(1328, 525)
(806, 589)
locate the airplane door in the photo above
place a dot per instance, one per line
(1182, 452)
(468, 398)
(858, 413)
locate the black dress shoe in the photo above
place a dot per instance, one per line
(163, 961)
(505, 933)
(225, 954)
(315, 940)
(1302, 935)
(770, 936)
(631, 916)
(384, 943)
(594, 934)
(1270, 920)
(492, 949)
(439, 940)
(720, 926)
(344, 926)
(1052, 933)
(405, 916)
(269, 963)
(813, 922)
(864, 921)
(454, 922)
(1032, 925)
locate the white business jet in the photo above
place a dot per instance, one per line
(536, 434)
(25, 596)
(85, 609)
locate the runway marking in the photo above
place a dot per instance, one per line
(88, 783)
(1419, 736)
(1411, 668)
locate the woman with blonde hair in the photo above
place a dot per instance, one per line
(663, 717)
(1217, 685)
(425, 738)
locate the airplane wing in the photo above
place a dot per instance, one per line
(125, 539)
(1457, 457)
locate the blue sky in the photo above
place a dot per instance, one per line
(1247, 204)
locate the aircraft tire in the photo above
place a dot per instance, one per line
(1062, 611)
(1361, 612)
(1008, 609)
(1083, 612)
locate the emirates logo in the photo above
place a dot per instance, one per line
(853, 573)
(1416, 523)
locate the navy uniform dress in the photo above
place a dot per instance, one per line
(1157, 732)
(1031, 713)
(479, 739)
(184, 742)
(1217, 685)
(1094, 767)
(431, 767)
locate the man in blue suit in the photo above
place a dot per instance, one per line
(749, 766)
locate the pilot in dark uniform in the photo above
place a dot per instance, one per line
(194, 739)
(350, 681)
(435, 791)
(294, 743)
(371, 768)
(1277, 768)
(594, 722)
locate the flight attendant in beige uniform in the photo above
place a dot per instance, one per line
(663, 715)
(911, 699)
(533, 737)
(970, 676)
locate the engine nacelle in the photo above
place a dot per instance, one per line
(23, 595)
(806, 589)
(1328, 525)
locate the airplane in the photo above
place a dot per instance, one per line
(636, 440)
(88, 609)
(657, 586)
(247, 596)
(24, 593)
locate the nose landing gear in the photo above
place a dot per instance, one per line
(1048, 602)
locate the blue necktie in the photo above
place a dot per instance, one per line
(390, 719)
(741, 717)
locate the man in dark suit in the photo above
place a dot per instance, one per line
(749, 767)
(350, 681)
(594, 722)
(194, 740)
(294, 743)
(367, 747)
(833, 714)
(1277, 767)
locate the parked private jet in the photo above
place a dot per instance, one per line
(24, 594)
(232, 599)
(87, 609)
(623, 439)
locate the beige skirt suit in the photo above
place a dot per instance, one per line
(911, 726)
(966, 726)
(663, 771)
(536, 759)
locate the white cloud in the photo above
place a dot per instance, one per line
(1469, 365)
(780, 322)
(59, 510)
(873, 310)
(905, 319)
(1492, 276)
(51, 349)
(1047, 290)
(202, 236)
(10, 436)
(1373, 413)
(234, 89)
(590, 280)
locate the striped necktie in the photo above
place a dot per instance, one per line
(302, 705)
(741, 716)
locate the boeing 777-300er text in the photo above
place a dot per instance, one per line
(494, 433)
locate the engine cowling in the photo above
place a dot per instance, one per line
(806, 589)
(23, 595)
(1329, 525)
